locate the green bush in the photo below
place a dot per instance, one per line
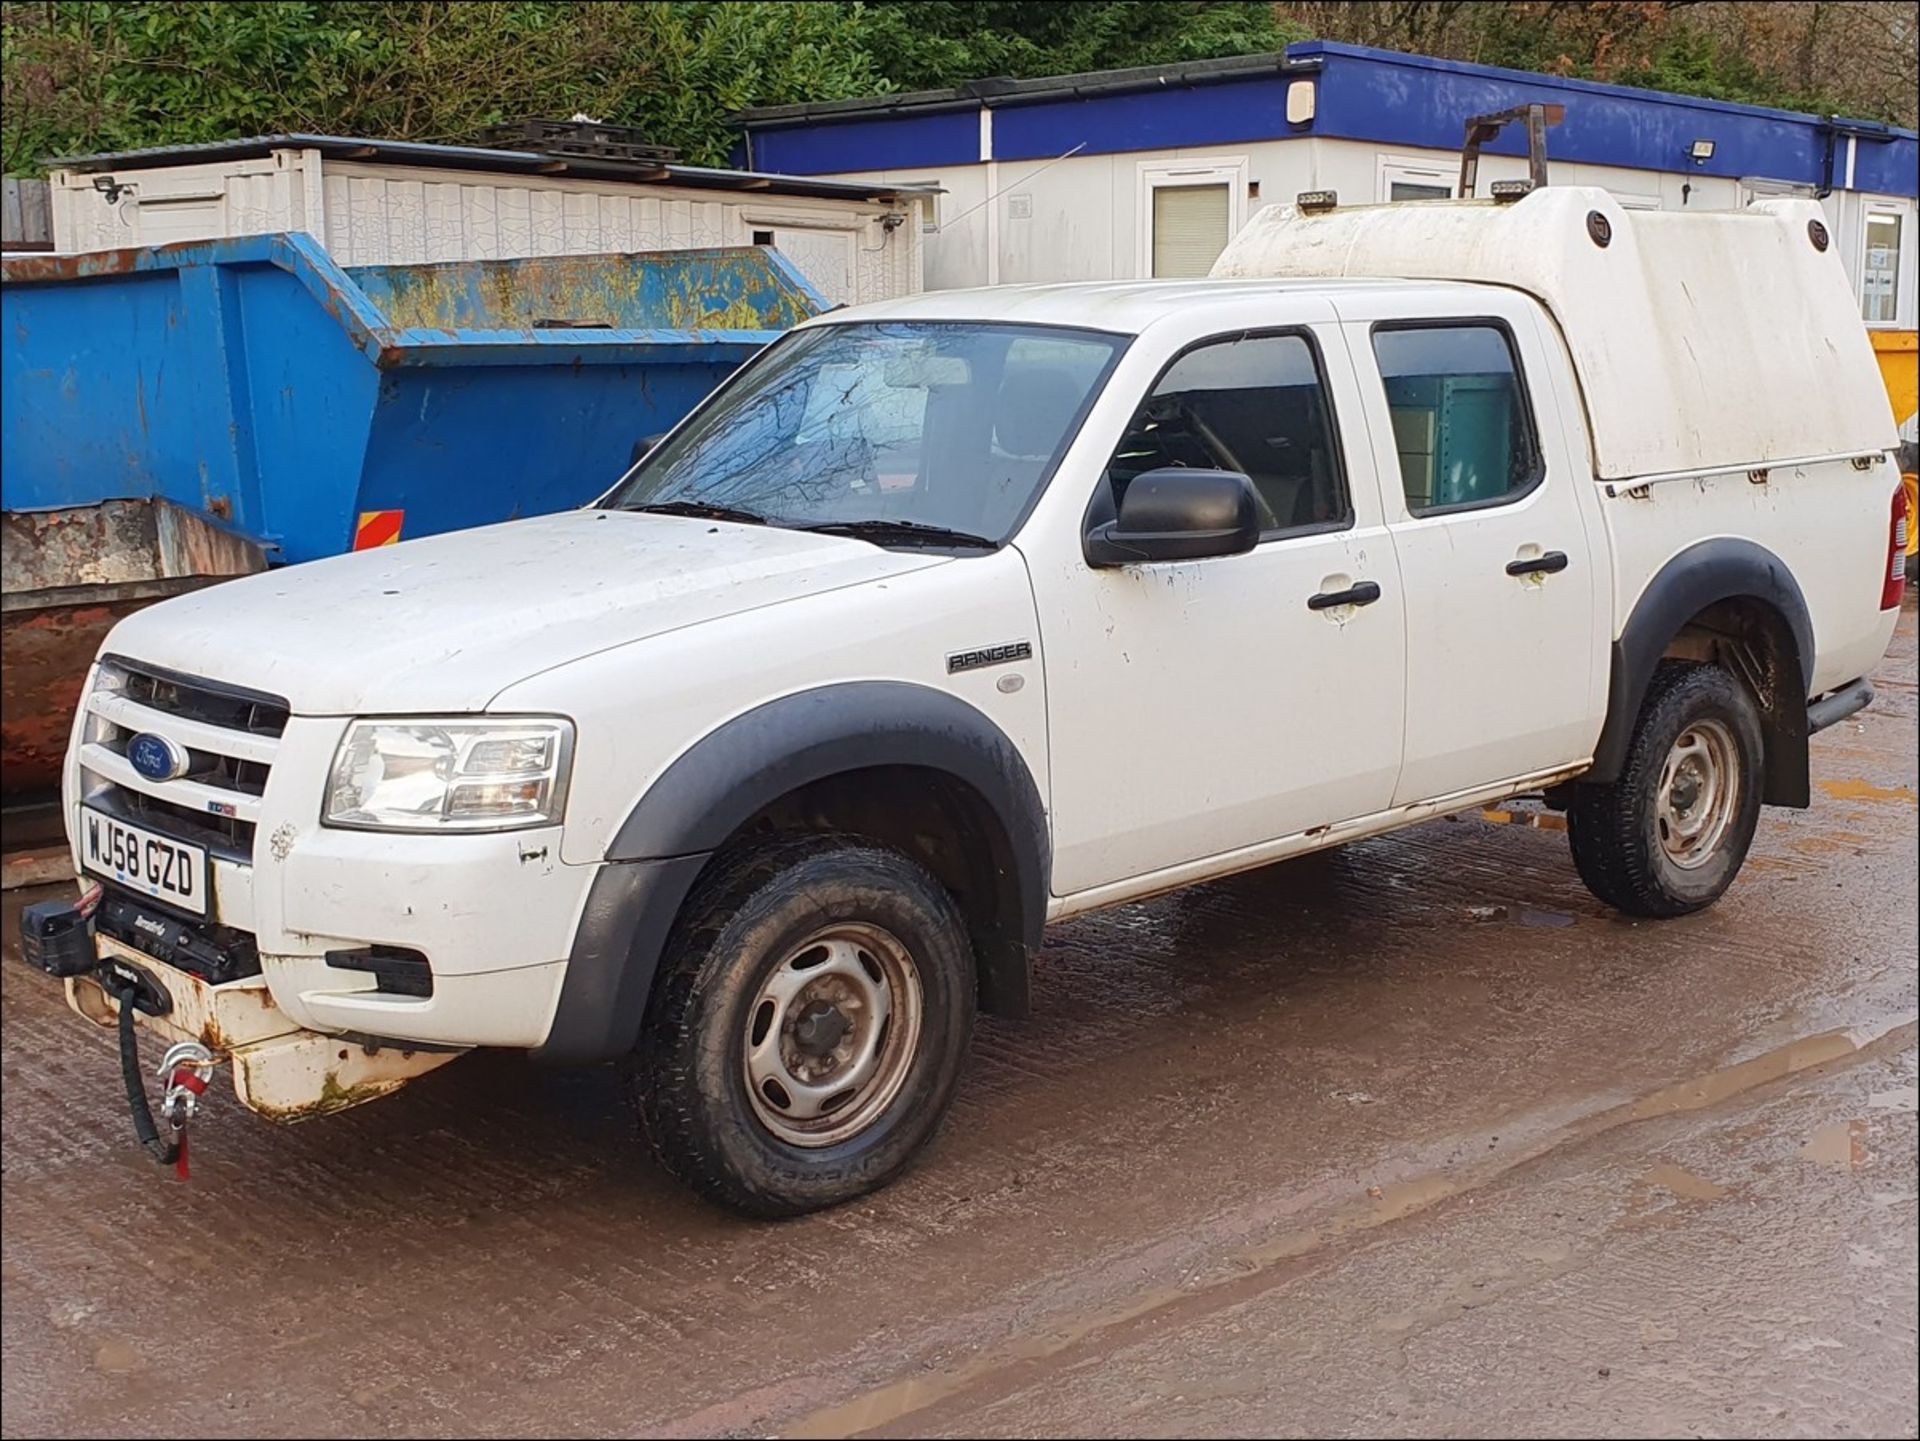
(82, 77)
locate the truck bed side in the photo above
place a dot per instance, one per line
(1825, 520)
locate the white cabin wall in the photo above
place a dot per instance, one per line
(184, 202)
(383, 214)
(954, 245)
(405, 215)
(1083, 215)
(1357, 170)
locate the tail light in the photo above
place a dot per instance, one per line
(1896, 583)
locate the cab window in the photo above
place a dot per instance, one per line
(1461, 425)
(1252, 403)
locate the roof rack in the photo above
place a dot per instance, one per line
(1482, 128)
(585, 139)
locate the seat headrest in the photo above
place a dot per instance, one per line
(1033, 408)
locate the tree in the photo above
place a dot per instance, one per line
(923, 46)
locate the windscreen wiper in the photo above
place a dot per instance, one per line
(903, 532)
(700, 510)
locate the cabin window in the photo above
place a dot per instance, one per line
(1880, 268)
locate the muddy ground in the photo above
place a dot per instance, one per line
(1416, 1138)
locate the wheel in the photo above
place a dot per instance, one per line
(808, 1027)
(1668, 837)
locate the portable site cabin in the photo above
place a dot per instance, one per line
(1148, 172)
(380, 202)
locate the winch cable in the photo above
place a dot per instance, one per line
(148, 1134)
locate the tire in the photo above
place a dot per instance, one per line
(777, 971)
(1650, 859)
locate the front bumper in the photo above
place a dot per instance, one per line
(280, 1070)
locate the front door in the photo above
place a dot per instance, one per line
(1197, 708)
(1499, 578)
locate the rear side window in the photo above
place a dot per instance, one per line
(1251, 403)
(1461, 424)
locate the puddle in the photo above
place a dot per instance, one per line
(1787, 1060)
(1545, 918)
(1683, 1183)
(1859, 790)
(1539, 820)
(1776, 863)
(1900, 1098)
(118, 1358)
(1841, 1146)
(1484, 914)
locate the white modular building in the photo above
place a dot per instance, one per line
(1148, 172)
(378, 202)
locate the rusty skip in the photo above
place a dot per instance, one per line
(69, 576)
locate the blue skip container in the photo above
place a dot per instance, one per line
(318, 409)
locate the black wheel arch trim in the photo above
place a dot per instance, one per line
(742, 767)
(1710, 571)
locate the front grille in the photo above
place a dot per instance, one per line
(209, 768)
(228, 837)
(229, 734)
(230, 707)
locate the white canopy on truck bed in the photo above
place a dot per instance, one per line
(1702, 341)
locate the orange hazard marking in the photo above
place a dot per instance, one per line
(377, 527)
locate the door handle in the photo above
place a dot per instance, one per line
(1552, 563)
(1361, 592)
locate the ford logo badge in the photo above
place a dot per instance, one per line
(156, 757)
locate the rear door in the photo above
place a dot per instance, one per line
(1499, 574)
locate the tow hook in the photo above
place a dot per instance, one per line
(182, 1072)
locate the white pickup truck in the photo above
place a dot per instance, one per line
(956, 616)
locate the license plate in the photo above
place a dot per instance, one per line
(168, 870)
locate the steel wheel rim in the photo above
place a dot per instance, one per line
(831, 1034)
(1699, 794)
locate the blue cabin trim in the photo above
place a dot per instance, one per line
(1417, 101)
(902, 142)
(1226, 113)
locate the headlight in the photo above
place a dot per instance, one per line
(450, 775)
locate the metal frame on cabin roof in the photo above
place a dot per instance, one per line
(490, 161)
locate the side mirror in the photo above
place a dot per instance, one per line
(644, 444)
(1178, 514)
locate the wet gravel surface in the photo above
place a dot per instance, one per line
(1413, 1138)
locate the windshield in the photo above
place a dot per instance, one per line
(905, 431)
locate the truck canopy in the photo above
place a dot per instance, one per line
(1701, 341)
